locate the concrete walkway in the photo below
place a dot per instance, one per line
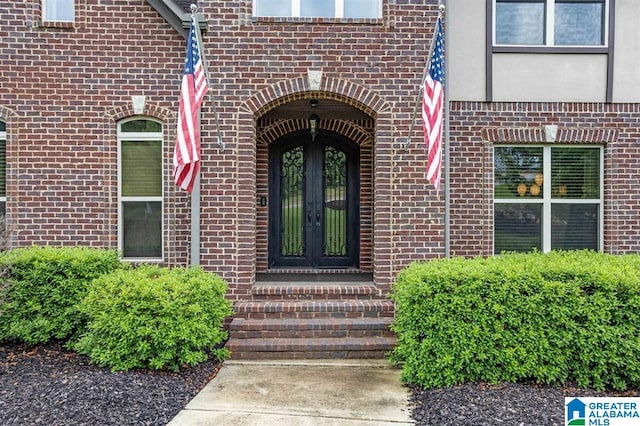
(341, 392)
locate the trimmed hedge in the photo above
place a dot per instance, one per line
(41, 287)
(548, 318)
(157, 318)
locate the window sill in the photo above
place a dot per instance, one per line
(141, 260)
(58, 24)
(332, 21)
(550, 49)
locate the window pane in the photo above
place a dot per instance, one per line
(318, 9)
(141, 168)
(517, 227)
(142, 233)
(272, 8)
(574, 226)
(58, 10)
(3, 127)
(520, 22)
(362, 8)
(518, 172)
(575, 173)
(141, 126)
(3, 168)
(579, 24)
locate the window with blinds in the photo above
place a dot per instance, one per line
(318, 8)
(140, 189)
(547, 198)
(58, 10)
(550, 22)
(3, 168)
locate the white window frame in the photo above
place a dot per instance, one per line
(3, 137)
(54, 3)
(547, 201)
(549, 24)
(132, 137)
(295, 10)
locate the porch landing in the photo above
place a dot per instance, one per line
(312, 316)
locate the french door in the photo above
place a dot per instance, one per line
(313, 202)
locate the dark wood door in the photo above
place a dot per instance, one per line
(313, 202)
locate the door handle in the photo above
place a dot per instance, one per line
(309, 216)
(317, 217)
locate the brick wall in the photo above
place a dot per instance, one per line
(477, 127)
(65, 87)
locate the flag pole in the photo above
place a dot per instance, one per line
(203, 60)
(447, 194)
(195, 193)
(424, 79)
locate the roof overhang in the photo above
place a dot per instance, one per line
(177, 15)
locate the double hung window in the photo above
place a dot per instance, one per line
(550, 22)
(547, 198)
(140, 184)
(318, 8)
(3, 168)
(58, 10)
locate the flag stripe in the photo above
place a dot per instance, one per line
(433, 108)
(186, 154)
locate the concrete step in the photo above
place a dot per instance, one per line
(313, 290)
(314, 309)
(241, 328)
(325, 348)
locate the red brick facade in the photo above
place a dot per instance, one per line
(65, 87)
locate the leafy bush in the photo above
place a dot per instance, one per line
(41, 287)
(155, 318)
(548, 318)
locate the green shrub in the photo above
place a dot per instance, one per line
(41, 287)
(155, 318)
(548, 318)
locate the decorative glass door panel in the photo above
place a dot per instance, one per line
(292, 203)
(313, 199)
(335, 187)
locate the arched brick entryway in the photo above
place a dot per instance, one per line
(373, 136)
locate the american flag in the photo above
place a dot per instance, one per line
(432, 109)
(186, 154)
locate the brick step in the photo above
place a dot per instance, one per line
(306, 328)
(313, 290)
(314, 309)
(327, 348)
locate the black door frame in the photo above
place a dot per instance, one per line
(312, 235)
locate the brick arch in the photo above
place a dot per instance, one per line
(550, 134)
(338, 89)
(7, 114)
(150, 110)
(351, 130)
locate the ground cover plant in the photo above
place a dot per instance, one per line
(40, 289)
(546, 318)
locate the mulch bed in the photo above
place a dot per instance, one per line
(502, 404)
(53, 386)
